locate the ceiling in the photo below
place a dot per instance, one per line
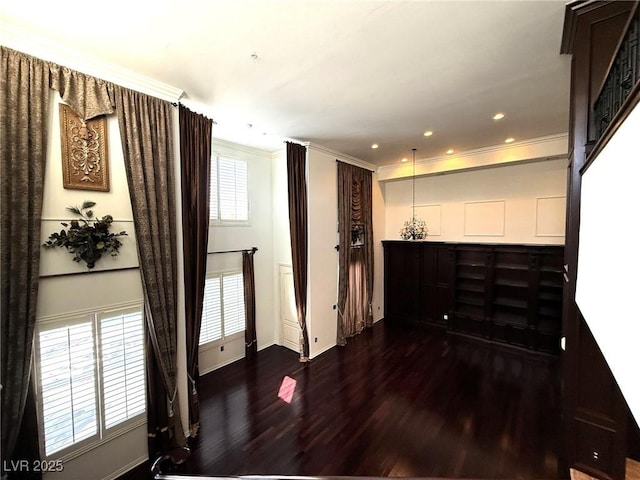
(342, 74)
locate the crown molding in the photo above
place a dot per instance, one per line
(341, 156)
(35, 46)
(223, 146)
(550, 147)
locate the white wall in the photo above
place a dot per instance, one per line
(258, 233)
(74, 293)
(379, 230)
(529, 198)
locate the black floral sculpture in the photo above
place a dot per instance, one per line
(88, 238)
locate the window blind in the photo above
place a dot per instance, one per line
(234, 319)
(211, 324)
(229, 193)
(68, 382)
(223, 307)
(90, 376)
(122, 350)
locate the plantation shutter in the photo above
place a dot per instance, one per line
(234, 319)
(211, 326)
(122, 348)
(214, 212)
(68, 379)
(233, 194)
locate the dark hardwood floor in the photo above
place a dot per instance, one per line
(393, 402)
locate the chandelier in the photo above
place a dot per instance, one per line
(414, 228)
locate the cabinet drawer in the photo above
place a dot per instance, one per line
(593, 447)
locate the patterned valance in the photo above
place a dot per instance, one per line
(88, 96)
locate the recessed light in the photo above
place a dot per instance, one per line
(450, 151)
(428, 133)
(404, 160)
(498, 116)
(374, 146)
(509, 140)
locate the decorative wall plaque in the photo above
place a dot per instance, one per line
(85, 164)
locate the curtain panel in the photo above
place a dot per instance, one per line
(146, 129)
(195, 162)
(355, 263)
(297, 190)
(147, 138)
(248, 275)
(24, 118)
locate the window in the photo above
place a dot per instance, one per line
(229, 193)
(90, 376)
(223, 307)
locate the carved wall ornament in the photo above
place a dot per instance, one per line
(85, 163)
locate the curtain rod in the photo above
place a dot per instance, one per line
(253, 249)
(293, 140)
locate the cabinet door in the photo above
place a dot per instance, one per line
(402, 281)
(428, 294)
(443, 285)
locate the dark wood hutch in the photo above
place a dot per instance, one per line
(501, 293)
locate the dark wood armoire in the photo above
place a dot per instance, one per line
(595, 416)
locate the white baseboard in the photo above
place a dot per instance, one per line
(325, 349)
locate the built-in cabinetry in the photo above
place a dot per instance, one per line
(508, 294)
(594, 412)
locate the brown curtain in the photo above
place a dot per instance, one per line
(146, 129)
(297, 186)
(248, 275)
(195, 158)
(24, 119)
(355, 278)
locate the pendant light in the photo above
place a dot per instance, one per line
(414, 228)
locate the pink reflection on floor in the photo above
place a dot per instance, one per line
(287, 387)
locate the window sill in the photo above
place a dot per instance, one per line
(75, 451)
(243, 223)
(218, 343)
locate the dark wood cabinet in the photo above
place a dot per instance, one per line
(435, 274)
(594, 412)
(402, 266)
(508, 294)
(417, 278)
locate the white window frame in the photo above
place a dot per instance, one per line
(224, 338)
(215, 219)
(103, 434)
